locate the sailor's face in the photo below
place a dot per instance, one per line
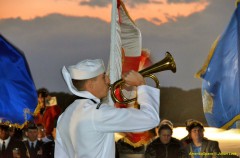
(102, 85)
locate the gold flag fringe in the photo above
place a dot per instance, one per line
(205, 65)
(231, 122)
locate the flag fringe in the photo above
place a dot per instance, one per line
(206, 63)
(15, 125)
(231, 122)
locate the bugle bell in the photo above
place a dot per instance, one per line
(167, 63)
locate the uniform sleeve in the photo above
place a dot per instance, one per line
(111, 119)
(59, 151)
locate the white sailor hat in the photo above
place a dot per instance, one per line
(83, 70)
(86, 69)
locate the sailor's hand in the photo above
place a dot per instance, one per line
(133, 78)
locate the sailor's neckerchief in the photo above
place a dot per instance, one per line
(98, 105)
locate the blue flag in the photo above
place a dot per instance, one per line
(18, 93)
(220, 74)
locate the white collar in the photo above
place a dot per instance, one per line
(87, 94)
(30, 142)
(6, 141)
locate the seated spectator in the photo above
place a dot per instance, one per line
(199, 146)
(8, 144)
(164, 146)
(186, 140)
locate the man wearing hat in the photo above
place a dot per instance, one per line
(33, 145)
(199, 146)
(8, 144)
(86, 128)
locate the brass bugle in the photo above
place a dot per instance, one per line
(167, 63)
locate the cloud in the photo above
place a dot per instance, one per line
(188, 39)
(56, 40)
(155, 11)
(134, 3)
(159, 12)
(152, 10)
(96, 3)
(51, 42)
(104, 3)
(156, 20)
(131, 3)
(182, 1)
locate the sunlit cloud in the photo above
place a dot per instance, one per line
(134, 3)
(182, 1)
(104, 3)
(155, 11)
(98, 3)
(161, 11)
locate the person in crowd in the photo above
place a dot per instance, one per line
(10, 147)
(43, 96)
(12, 131)
(48, 147)
(32, 143)
(86, 128)
(42, 134)
(16, 133)
(51, 114)
(47, 110)
(164, 146)
(186, 140)
(199, 146)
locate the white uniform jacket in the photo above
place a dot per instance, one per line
(86, 132)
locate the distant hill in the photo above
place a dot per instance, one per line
(177, 105)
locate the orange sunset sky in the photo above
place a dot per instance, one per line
(156, 11)
(56, 31)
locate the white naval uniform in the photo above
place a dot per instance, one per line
(86, 132)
